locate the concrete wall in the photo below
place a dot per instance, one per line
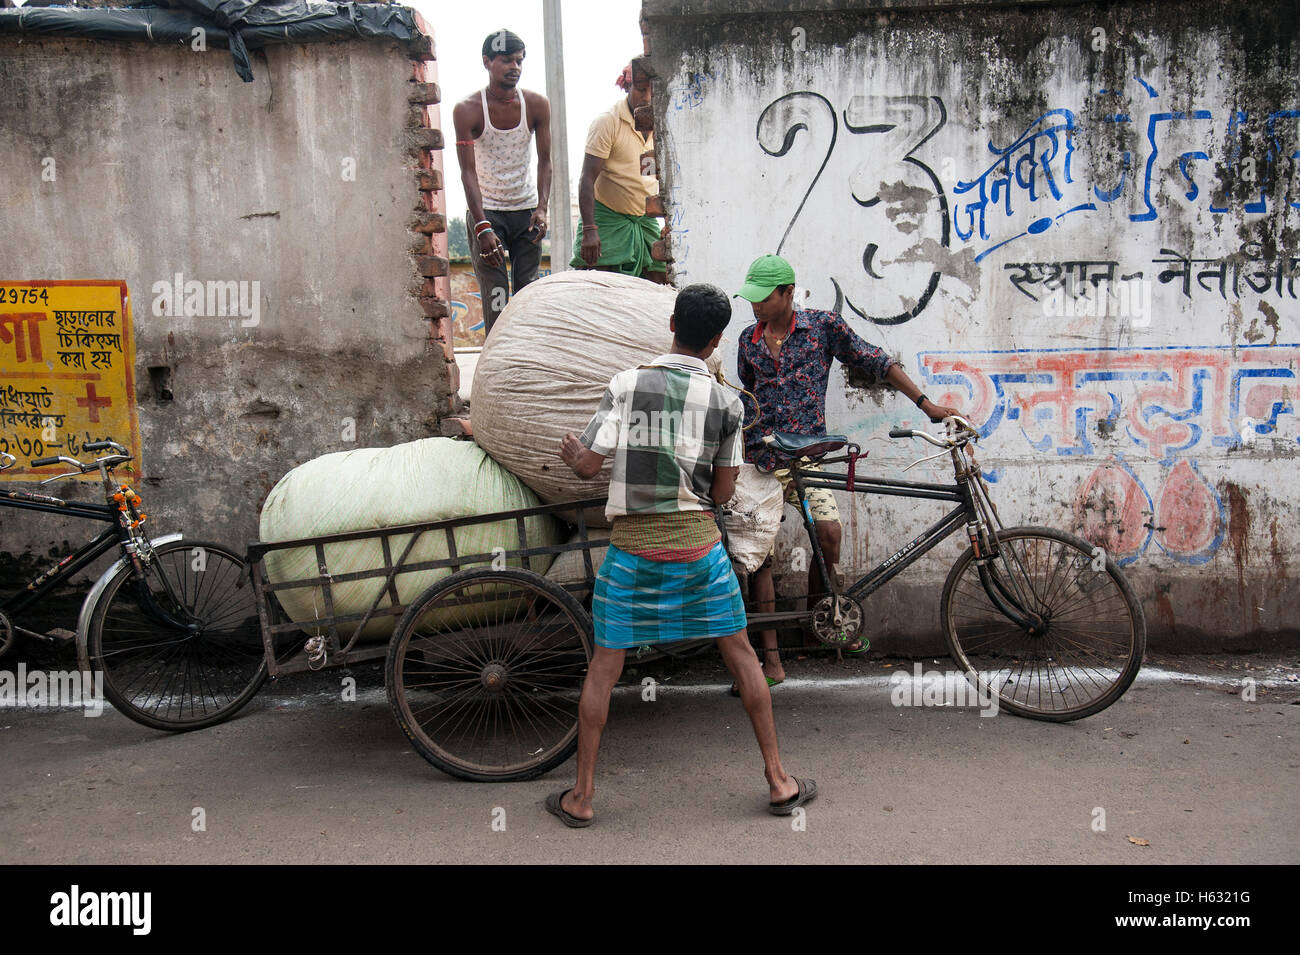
(306, 182)
(938, 172)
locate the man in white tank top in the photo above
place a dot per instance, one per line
(507, 212)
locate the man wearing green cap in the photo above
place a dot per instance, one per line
(785, 360)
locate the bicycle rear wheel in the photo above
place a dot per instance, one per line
(170, 676)
(1090, 634)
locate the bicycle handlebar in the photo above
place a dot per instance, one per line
(111, 460)
(955, 424)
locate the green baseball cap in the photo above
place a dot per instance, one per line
(767, 272)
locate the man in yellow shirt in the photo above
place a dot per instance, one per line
(617, 179)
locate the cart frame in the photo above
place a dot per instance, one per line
(336, 652)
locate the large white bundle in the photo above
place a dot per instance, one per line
(570, 567)
(753, 516)
(547, 362)
(429, 480)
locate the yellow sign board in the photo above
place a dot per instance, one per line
(67, 372)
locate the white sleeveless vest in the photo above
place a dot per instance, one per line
(503, 159)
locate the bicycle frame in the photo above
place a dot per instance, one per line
(910, 552)
(110, 537)
(967, 513)
(115, 535)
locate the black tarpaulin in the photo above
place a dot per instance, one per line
(238, 25)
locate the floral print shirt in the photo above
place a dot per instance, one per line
(791, 392)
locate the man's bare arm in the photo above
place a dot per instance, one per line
(466, 118)
(592, 166)
(900, 382)
(724, 484)
(541, 112)
(583, 461)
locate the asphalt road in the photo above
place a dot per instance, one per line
(1182, 762)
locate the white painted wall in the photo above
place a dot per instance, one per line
(1166, 432)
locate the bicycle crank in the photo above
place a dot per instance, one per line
(837, 620)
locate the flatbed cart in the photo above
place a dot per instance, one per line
(484, 668)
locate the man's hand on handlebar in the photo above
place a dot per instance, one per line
(937, 413)
(959, 430)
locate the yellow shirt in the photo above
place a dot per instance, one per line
(613, 137)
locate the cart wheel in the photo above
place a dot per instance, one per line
(484, 673)
(1089, 637)
(173, 677)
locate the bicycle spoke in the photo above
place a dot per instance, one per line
(172, 678)
(1085, 646)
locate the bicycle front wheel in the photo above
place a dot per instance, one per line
(180, 647)
(1085, 634)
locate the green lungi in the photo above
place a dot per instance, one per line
(625, 243)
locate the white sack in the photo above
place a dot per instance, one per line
(429, 480)
(547, 363)
(753, 516)
(570, 568)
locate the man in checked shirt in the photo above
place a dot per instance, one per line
(674, 433)
(785, 360)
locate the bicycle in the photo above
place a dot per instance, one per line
(172, 623)
(1034, 616)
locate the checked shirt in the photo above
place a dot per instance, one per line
(791, 393)
(668, 425)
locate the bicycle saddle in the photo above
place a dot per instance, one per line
(805, 445)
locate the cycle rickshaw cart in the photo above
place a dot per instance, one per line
(484, 668)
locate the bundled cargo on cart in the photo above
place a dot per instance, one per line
(338, 494)
(438, 550)
(547, 362)
(544, 369)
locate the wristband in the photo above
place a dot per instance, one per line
(921, 399)
(588, 228)
(478, 232)
(466, 142)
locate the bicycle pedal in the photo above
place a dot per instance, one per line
(60, 633)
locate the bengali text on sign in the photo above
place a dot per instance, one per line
(67, 371)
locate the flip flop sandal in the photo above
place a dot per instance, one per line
(807, 793)
(771, 682)
(555, 808)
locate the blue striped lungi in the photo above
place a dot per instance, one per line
(641, 602)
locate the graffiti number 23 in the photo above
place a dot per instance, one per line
(895, 127)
